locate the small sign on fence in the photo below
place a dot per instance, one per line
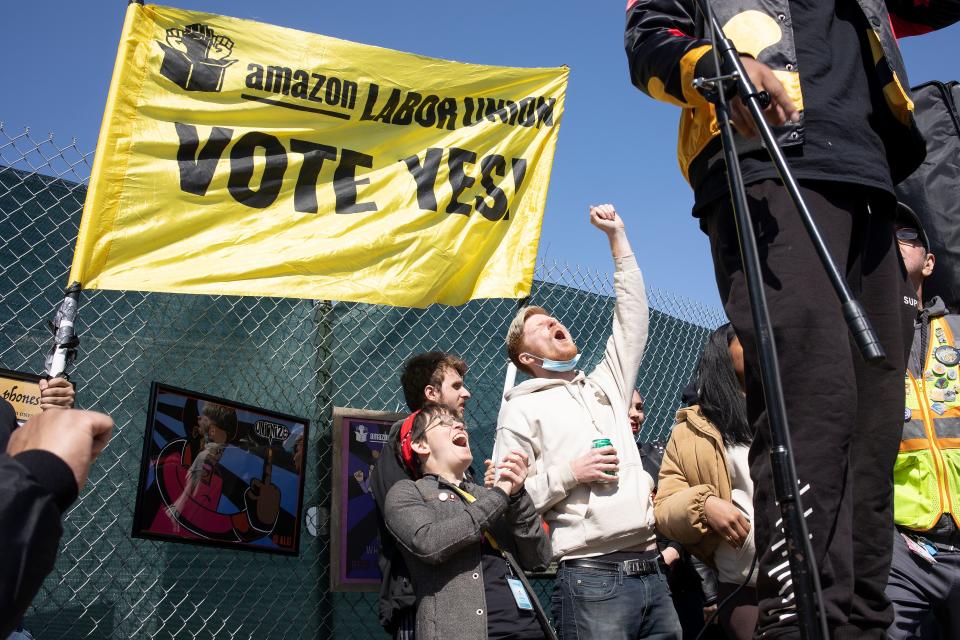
(21, 390)
(220, 473)
(358, 440)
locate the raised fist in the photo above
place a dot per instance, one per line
(605, 218)
(76, 437)
(199, 32)
(220, 47)
(199, 42)
(175, 39)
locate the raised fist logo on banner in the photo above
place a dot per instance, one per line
(195, 57)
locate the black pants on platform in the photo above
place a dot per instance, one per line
(845, 416)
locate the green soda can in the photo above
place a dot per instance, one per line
(600, 443)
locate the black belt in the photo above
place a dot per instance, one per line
(628, 567)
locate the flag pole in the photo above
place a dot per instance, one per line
(65, 340)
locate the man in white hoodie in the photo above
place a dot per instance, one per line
(596, 500)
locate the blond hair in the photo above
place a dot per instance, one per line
(514, 339)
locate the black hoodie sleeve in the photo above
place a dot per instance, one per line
(35, 488)
(664, 52)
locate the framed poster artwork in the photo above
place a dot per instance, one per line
(220, 473)
(21, 390)
(359, 436)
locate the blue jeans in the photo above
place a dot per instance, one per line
(607, 605)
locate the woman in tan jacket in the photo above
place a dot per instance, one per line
(704, 498)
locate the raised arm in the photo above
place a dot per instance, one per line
(605, 218)
(628, 337)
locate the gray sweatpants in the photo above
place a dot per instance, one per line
(925, 596)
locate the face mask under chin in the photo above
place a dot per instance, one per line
(558, 366)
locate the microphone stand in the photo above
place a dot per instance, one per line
(729, 67)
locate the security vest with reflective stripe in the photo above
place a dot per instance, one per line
(927, 472)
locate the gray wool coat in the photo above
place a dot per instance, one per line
(440, 537)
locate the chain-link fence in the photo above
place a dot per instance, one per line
(293, 356)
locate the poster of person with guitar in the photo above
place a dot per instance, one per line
(218, 472)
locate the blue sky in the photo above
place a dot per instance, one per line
(616, 145)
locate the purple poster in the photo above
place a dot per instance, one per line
(359, 440)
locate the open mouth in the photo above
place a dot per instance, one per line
(460, 440)
(560, 335)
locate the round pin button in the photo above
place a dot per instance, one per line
(906, 414)
(443, 497)
(947, 355)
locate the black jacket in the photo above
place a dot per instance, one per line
(667, 45)
(396, 589)
(36, 487)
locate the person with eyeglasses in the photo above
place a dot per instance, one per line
(466, 546)
(924, 584)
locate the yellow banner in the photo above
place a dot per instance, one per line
(247, 159)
